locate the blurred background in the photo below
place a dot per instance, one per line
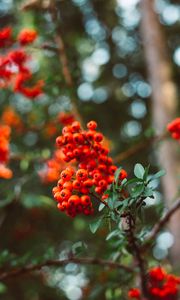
(106, 46)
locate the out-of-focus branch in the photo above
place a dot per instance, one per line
(163, 221)
(63, 57)
(138, 147)
(60, 263)
(50, 5)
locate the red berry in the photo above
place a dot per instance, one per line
(123, 174)
(78, 138)
(76, 126)
(92, 125)
(60, 141)
(88, 183)
(98, 137)
(85, 200)
(76, 184)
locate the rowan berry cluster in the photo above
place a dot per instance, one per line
(161, 286)
(5, 132)
(14, 71)
(94, 173)
(174, 128)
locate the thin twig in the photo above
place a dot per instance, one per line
(137, 147)
(158, 226)
(63, 57)
(59, 263)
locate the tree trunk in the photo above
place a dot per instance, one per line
(164, 107)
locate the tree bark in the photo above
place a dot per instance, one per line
(164, 108)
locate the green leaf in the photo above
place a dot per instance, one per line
(124, 181)
(148, 192)
(95, 225)
(112, 234)
(118, 171)
(137, 190)
(101, 206)
(146, 173)
(159, 174)
(111, 203)
(131, 181)
(139, 171)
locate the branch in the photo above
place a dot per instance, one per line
(138, 256)
(140, 146)
(59, 263)
(63, 57)
(51, 7)
(158, 226)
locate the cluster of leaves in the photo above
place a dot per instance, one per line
(129, 198)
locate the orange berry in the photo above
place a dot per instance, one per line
(74, 200)
(65, 194)
(68, 185)
(81, 174)
(66, 175)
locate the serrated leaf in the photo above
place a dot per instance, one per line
(139, 171)
(95, 225)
